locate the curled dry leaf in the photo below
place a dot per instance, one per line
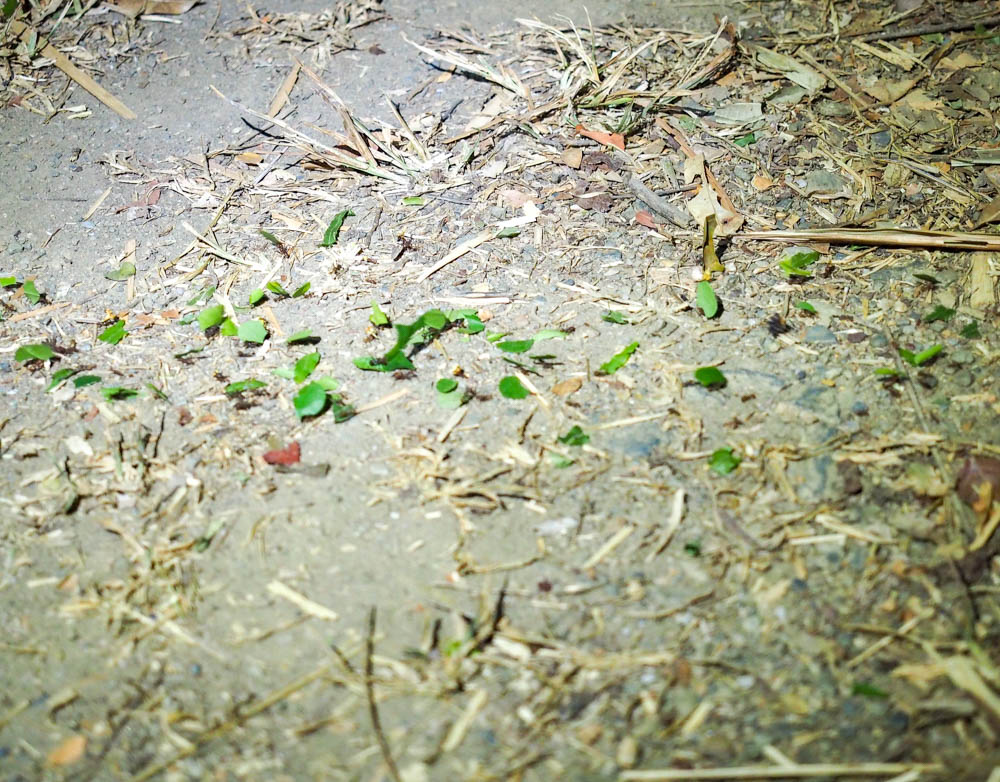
(978, 482)
(567, 387)
(67, 752)
(645, 219)
(601, 137)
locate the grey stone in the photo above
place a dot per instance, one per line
(820, 334)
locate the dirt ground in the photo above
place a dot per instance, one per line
(612, 511)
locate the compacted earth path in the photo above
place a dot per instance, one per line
(417, 391)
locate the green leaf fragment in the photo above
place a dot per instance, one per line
(559, 461)
(159, 393)
(85, 380)
(252, 331)
(8, 282)
(805, 305)
(939, 313)
(299, 337)
(414, 201)
(918, 359)
(329, 383)
(473, 325)
(271, 238)
(302, 290)
(868, 690)
(724, 461)
(446, 385)
(550, 334)
(31, 292)
(887, 372)
(116, 393)
(614, 316)
(618, 360)
(512, 388)
(202, 296)
(123, 272)
(310, 401)
(250, 384)
(276, 288)
(795, 265)
(114, 333)
(229, 328)
(575, 436)
(211, 316)
(507, 233)
(378, 318)
(706, 300)
(971, 330)
(516, 345)
(256, 295)
(422, 330)
(332, 234)
(286, 372)
(745, 141)
(305, 366)
(710, 377)
(372, 364)
(29, 352)
(59, 376)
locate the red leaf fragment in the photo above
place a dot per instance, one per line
(287, 455)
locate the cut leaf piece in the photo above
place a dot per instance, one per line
(123, 272)
(85, 380)
(794, 265)
(252, 331)
(706, 300)
(724, 461)
(240, 386)
(256, 295)
(31, 292)
(305, 366)
(59, 376)
(211, 316)
(446, 385)
(618, 360)
(332, 234)
(115, 393)
(805, 305)
(575, 436)
(302, 290)
(301, 337)
(516, 345)
(971, 330)
(939, 313)
(614, 316)
(310, 401)
(114, 333)
(378, 318)
(512, 388)
(710, 377)
(29, 352)
(276, 288)
(918, 359)
(229, 328)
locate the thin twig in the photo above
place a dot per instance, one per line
(930, 29)
(372, 705)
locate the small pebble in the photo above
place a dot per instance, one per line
(820, 334)
(859, 408)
